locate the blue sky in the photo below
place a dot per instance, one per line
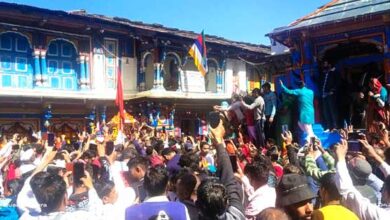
(240, 20)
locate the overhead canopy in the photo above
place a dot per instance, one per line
(336, 11)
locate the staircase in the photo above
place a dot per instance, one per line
(327, 138)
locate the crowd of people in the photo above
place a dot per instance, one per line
(153, 176)
(238, 171)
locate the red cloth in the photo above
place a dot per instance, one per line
(11, 172)
(155, 161)
(278, 170)
(379, 112)
(377, 85)
(119, 97)
(97, 163)
(249, 117)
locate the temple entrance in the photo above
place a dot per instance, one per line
(356, 63)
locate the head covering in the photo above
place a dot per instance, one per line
(359, 170)
(377, 86)
(293, 188)
(188, 146)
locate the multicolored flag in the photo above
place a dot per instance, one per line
(198, 52)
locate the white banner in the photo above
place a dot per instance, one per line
(192, 81)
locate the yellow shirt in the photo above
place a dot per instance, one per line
(331, 212)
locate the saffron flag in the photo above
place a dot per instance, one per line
(119, 98)
(198, 52)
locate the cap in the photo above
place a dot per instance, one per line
(293, 188)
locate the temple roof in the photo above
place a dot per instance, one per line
(156, 28)
(336, 11)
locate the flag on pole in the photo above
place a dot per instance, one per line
(198, 52)
(119, 98)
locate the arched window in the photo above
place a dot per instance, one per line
(16, 69)
(149, 72)
(62, 68)
(171, 72)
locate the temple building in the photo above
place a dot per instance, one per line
(58, 71)
(354, 36)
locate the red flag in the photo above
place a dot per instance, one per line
(119, 98)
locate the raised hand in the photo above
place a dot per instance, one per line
(341, 150)
(287, 137)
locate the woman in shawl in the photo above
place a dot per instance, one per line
(377, 97)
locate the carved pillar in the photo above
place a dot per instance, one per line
(82, 72)
(45, 79)
(87, 72)
(37, 68)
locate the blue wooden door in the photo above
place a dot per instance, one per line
(16, 69)
(62, 69)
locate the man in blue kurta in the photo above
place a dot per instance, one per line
(305, 98)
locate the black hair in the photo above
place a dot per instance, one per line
(39, 148)
(248, 100)
(128, 153)
(14, 186)
(290, 168)
(53, 169)
(190, 160)
(203, 143)
(104, 187)
(267, 85)
(256, 90)
(50, 193)
(89, 154)
(149, 150)
(138, 161)
(37, 180)
(328, 182)
(212, 199)
(258, 170)
(156, 181)
(167, 151)
(185, 186)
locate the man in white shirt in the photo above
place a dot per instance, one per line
(360, 205)
(260, 195)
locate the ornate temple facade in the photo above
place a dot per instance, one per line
(353, 35)
(58, 71)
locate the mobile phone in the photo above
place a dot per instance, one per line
(233, 160)
(354, 146)
(213, 119)
(50, 139)
(163, 129)
(109, 147)
(93, 147)
(69, 167)
(78, 172)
